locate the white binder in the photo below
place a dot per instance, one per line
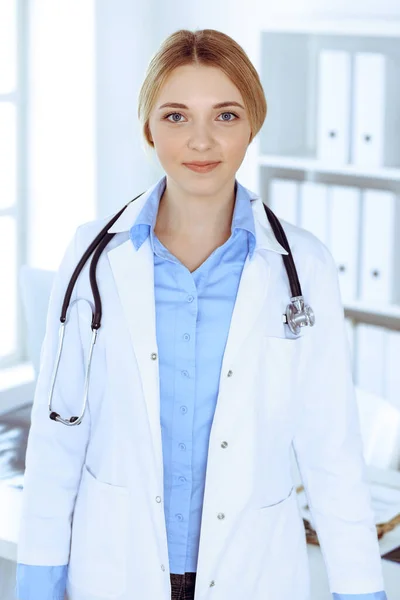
(314, 209)
(344, 237)
(334, 83)
(283, 199)
(368, 109)
(350, 330)
(379, 260)
(392, 372)
(370, 358)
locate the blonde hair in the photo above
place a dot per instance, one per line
(207, 47)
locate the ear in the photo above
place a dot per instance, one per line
(149, 132)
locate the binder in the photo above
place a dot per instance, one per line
(369, 109)
(370, 358)
(392, 371)
(350, 331)
(379, 263)
(314, 209)
(344, 237)
(334, 84)
(283, 199)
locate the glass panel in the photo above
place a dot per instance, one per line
(8, 296)
(8, 46)
(8, 154)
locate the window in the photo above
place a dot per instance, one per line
(12, 178)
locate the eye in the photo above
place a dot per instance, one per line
(224, 113)
(229, 113)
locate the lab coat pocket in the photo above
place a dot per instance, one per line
(287, 496)
(283, 559)
(98, 557)
(275, 416)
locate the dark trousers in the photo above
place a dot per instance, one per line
(182, 586)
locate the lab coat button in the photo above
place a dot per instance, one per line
(221, 516)
(224, 444)
(162, 567)
(212, 583)
(153, 356)
(158, 498)
(230, 373)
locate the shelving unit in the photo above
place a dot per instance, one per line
(286, 57)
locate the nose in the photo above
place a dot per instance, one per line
(201, 137)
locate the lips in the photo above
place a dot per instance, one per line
(203, 168)
(201, 164)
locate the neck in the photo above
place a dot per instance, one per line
(184, 215)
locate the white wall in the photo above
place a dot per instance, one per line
(61, 121)
(126, 37)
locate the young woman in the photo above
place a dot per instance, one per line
(176, 484)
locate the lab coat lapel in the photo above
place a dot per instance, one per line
(133, 273)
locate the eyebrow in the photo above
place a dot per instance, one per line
(219, 105)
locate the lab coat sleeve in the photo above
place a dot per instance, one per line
(328, 445)
(55, 452)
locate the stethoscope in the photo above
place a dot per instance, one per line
(297, 315)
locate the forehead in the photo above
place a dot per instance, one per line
(195, 82)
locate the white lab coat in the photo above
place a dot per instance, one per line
(93, 493)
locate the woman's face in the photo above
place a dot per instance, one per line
(199, 132)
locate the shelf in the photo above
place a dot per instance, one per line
(318, 166)
(387, 315)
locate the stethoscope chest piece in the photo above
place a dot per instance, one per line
(298, 315)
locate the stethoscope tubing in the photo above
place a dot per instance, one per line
(297, 314)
